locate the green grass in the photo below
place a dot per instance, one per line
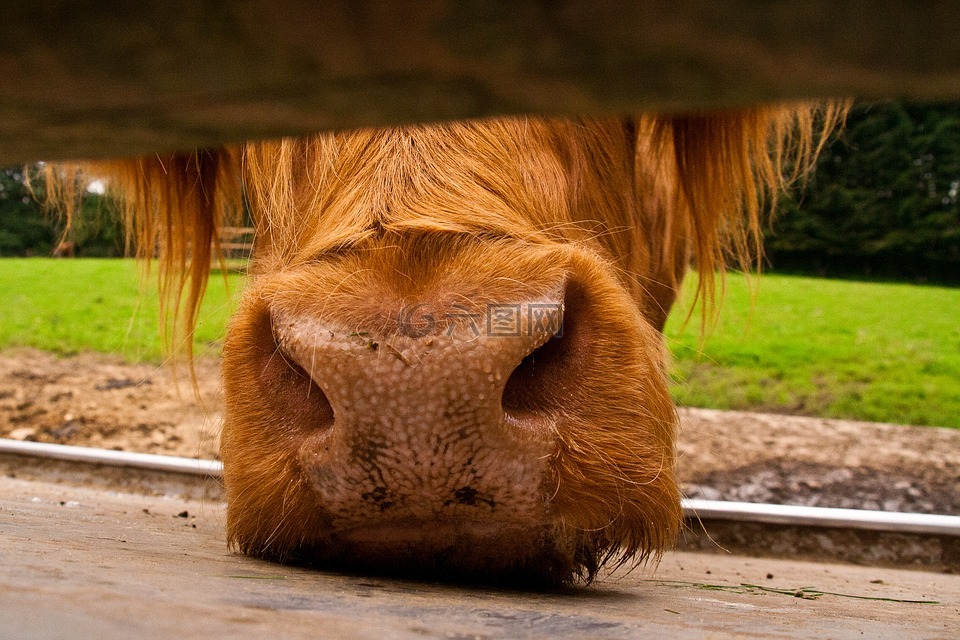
(862, 350)
(67, 306)
(871, 351)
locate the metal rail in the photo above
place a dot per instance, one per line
(797, 515)
(893, 522)
(172, 464)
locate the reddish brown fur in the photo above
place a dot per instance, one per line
(614, 207)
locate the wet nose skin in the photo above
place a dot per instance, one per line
(419, 439)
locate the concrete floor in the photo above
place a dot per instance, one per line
(87, 563)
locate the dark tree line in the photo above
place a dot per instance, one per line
(883, 201)
(27, 230)
(24, 230)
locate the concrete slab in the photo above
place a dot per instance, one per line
(82, 562)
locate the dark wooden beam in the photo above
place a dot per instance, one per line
(93, 78)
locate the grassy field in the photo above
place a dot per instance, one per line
(871, 351)
(863, 350)
(68, 306)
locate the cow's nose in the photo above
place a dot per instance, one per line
(438, 412)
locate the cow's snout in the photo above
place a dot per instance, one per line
(437, 414)
(499, 415)
(490, 364)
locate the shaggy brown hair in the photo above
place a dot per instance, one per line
(608, 211)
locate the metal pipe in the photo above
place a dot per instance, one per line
(90, 455)
(798, 515)
(795, 515)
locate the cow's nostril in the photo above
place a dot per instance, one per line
(538, 385)
(288, 384)
(533, 384)
(311, 398)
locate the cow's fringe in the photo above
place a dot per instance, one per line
(724, 172)
(172, 206)
(720, 173)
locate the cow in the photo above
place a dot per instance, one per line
(448, 358)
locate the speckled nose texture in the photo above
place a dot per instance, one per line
(419, 432)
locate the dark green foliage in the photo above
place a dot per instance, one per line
(27, 230)
(24, 229)
(883, 200)
(97, 232)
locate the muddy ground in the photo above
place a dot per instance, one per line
(99, 401)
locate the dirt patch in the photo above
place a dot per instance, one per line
(100, 401)
(752, 457)
(96, 400)
(820, 485)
